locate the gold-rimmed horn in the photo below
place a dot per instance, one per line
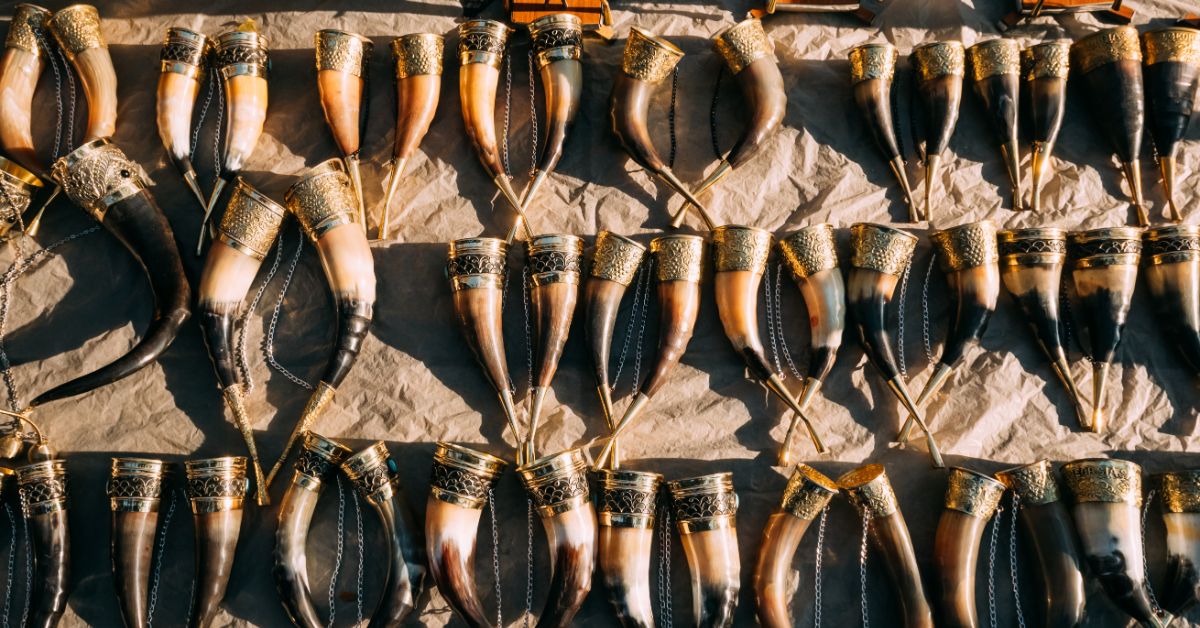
(872, 68)
(1181, 517)
(705, 510)
(995, 68)
(77, 30)
(418, 58)
(17, 188)
(45, 501)
(1044, 70)
(971, 500)
(1172, 71)
(20, 68)
(134, 491)
(216, 488)
(940, 67)
(343, 61)
(1172, 268)
(183, 65)
(627, 503)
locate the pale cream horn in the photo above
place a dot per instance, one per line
(77, 29)
(628, 502)
(1181, 516)
(24, 60)
(1172, 269)
(705, 509)
(183, 65)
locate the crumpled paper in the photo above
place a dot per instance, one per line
(416, 383)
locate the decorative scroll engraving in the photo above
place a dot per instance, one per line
(77, 28)
(554, 262)
(460, 482)
(966, 246)
(1181, 491)
(869, 489)
(972, 493)
(96, 175)
(28, 28)
(743, 44)
(705, 506)
(649, 58)
(879, 248)
(1116, 481)
(475, 264)
(943, 58)
(1034, 483)
(616, 258)
(741, 248)
(183, 46)
(1107, 46)
(43, 487)
(1048, 60)
(994, 57)
(873, 61)
(418, 54)
(807, 493)
(678, 258)
(251, 221)
(1171, 44)
(213, 487)
(343, 52)
(323, 199)
(810, 250)
(135, 486)
(558, 490)
(627, 501)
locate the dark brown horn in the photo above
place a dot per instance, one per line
(20, 68)
(1044, 69)
(99, 178)
(418, 61)
(1110, 62)
(807, 493)
(183, 66)
(1173, 276)
(44, 502)
(318, 461)
(217, 490)
(343, 59)
(134, 491)
(1181, 515)
(872, 68)
(940, 68)
(995, 75)
(628, 504)
(1172, 68)
(971, 499)
(706, 517)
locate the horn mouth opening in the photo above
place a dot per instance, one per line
(28, 26)
(1174, 43)
(135, 484)
(869, 489)
(556, 37)
(994, 57)
(1106, 46)
(1104, 480)
(482, 41)
(743, 43)
(873, 61)
(939, 59)
(703, 503)
(77, 28)
(881, 248)
(966, 246)
(741, 248)
(342, 51)
(1034, 483)
(627, 499)
(810, 250)
(649, 57)
(216, 484)
(416, 54)
(1051, 59)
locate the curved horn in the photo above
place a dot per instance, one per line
(1048, 524)
(740, 261)
(99, 178)
(879, 256)
(1108, 500)
(462, 482)
(969, 258)
(1105, 266)
(369, 471)
(324, 203)
(17, 188)
(418, 60)
(750, 57)
(554, 262)
(481, 52)
(807, 493)
(134, 491)
(939, 68)
(44, 502)
(342, 62)
(811, 255)
(872, 68)
(679, 267)
(995, 75)
(77, 29)
(20, 68)
(183, 67)
(248, 229)
(706, 517)
(614, 266)
(1173, 277)
(628, 504)
(871, 493)
(317, 462)
(1031, 270)
(971, 500)
(558, 486)
(217, 489)
(1181, 505)
(1110, 62)
(647, 60)
(1172, 80)
(240, 57)
(1044, 69)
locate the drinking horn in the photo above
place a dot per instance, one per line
(740, 261)
(99, 178)
(247, 231)
(481, 52)
(44, 493)
(811, 255)
(1172, 68)
(939, 67)
(1031, 263)
(872, 68)
(20, 68)
(628, 504)
(1044, 70)
(318, 461)
(460, 487)
(648, 60)
(750, 56)
(995, 76)
(324, 204)
(343, 59)
(418, 60)
(1181, 515)
(557, 46)
(706, 516)
(869, 490)
(971, 499)
(183, 66)
(969, 258)
(476, 269)
(241, 58)
(1110, 62)
(558, 486)
(554, 262)
(1173, 277)
(217, 489)
(17, 187)
(370, 472)
(1105, 266)
(879, 256)
(134, 491)
(678, 268)
(1048, 524)
(77, 30)
(807, 493)
(614, 266)
(1108, 501)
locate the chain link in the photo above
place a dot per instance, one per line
(900, 323)
(528, 562)
(341, 547)
(774, 332)
(52, 57)
(358, 581)
(69, 137)
(1145, 567)
(217, 133)
(269, 340)
(637, 299)
(991, 566)
(712, 112)
(1012, 558)
(528, 327)
(862, 569)
(12, 562)
(925, 311)
(637, 355)
(671, 116)
(533, 118)
(665, 611)
(507, 110)
(817, 562)
(491, 503)
(243, 363)
(783, 345)
(158, 560)
(208, 95)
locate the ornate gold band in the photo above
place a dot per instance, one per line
(1111, 246)
(678, 257)
(135, 484)
(28, 28)
(183, 51)
(251, 220)
(368, 471)
(704, 503)
(77, 28)
(241, 52)
(743, 44)
(1033, 483)
(1107, 46)
(973, 493)
(648, 57)
(417, 54)
(97, 175)
(477, 262)
(880, 248)
(1104, 480)
(554, 258)
(741, 248)
(1178, 44)
(966, 246)
(462, 476)
(873, 61)
(556, 37)
(810, 250)
(482, 41)
(323, 199)
(343, 51)
(869, 490)
(1171, 244)
(216, 484)
(1037, 246)
(938, 59)
(318, 458)
(807, 493)
(44, 487)
(627, 499)
(994, 57)
(556, 483)
(1051, 59)
(616, 258)
(17, 187)
(1181, 491)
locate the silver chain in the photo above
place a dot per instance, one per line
(528, 561)
(507, 109)
(243, 364)
(70, 116)
(783, 345)
(212, 82)
(52, 57)
(862, 569)
(820, 555)
(925, 311)
(162, 549)
(12, 562)
(900, 322)
(358, 581)
(637, 355)
(528, 328)
(1145, 568)
(1012, 558)
(491, 503)
(665, 610)
(217, 135)
(991, 566)
(533, 119)
(341, 547)
(269, 341)
(770, 308)
(633, 315)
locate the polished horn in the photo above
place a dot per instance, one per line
(554, 266)
(1044, 70)
(940, 68)
(44, 502)
(872, 68)
(995, 75)
(558, 486)
(461, 485)
(628, 504)
(705, 509)
(134, 491)
(343, 59)
(1181, 515)
(217, 489)
(811, 255)
(183, 66)
(1110, 62)
(418, 61)
(1173, 277)
(648, 60)
(1172, 69)
(20, 68)
(1104, 271)
(805, 497)
(971, 500)
(878, 259)
(77, 29)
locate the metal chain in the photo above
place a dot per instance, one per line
(991, 565)
(491, 503)
(507, 108)
(925, 311)
(243, 364)
(269, 340)
(358, 581)
(217, 134)
(341, 547)
(665, 610)
(212, 81)
(671, 115)
(637, 356)
(528, 327)
(862, 569)
(70, 115)
(774, 322)
(162, 549)
(637, 299)
(900, 322)
(52, 57)
(820, 552)
(783, 345)
(1145, 567)
(28, 563)
(1012, 558)
(712, 112)
(528, 561)
(12, 562)
(533, 119)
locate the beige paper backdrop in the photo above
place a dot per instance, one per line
(416, 383)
